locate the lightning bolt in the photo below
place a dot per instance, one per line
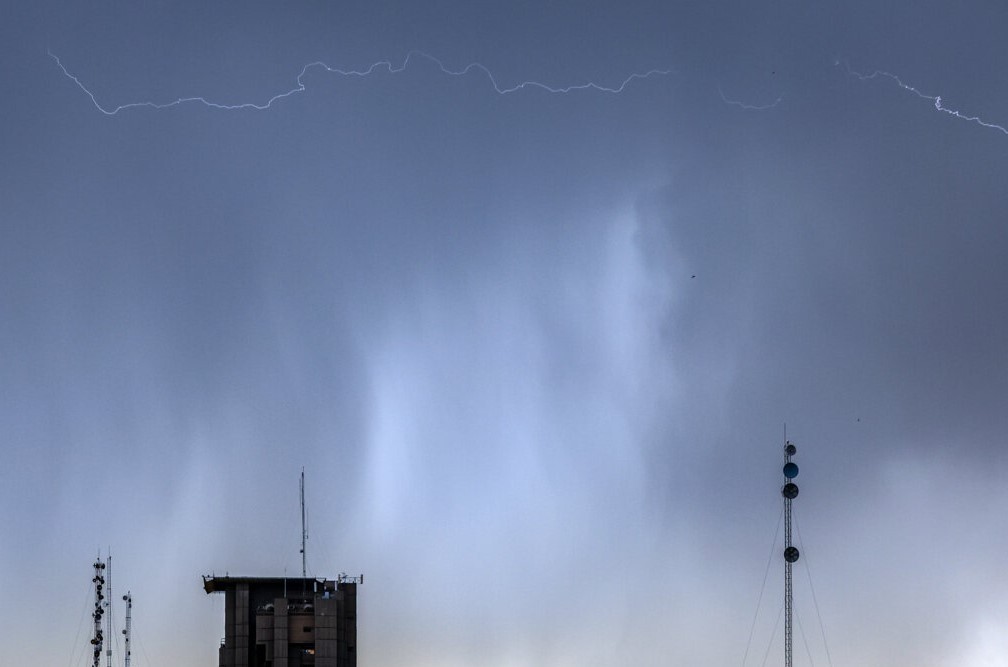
(381, 65)
(751, 107)
(934, 99)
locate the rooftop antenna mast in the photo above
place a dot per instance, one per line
(790, 492)
(304, 532)
(99, 609)
(128, 599)
(108, 605)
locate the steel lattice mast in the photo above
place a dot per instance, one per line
(789, 491)
(128, 599)
(99, 610)
(108, 606)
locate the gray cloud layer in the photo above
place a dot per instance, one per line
(474, 319)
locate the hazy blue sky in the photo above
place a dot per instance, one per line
(535, 350)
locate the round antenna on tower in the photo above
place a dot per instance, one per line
(790, 491)
(790, 470)
(790, 449)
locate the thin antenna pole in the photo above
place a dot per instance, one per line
(788, 589)
(108, 603)
(304, 532)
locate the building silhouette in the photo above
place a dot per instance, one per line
(287, 622)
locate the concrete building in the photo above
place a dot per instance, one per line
(284, 622)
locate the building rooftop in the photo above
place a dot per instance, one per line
(218, 584)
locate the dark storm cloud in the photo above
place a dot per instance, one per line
(535, 351)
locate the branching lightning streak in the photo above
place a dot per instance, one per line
(751, 107)
(935, 99)
(385, 65)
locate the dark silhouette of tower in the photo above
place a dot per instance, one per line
(790, 492)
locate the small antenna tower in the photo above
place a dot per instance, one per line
(108, 605)
(128, 599)
(789, 491)
(304, 532)
(99, 609)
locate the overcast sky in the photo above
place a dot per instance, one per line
(534, 350)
